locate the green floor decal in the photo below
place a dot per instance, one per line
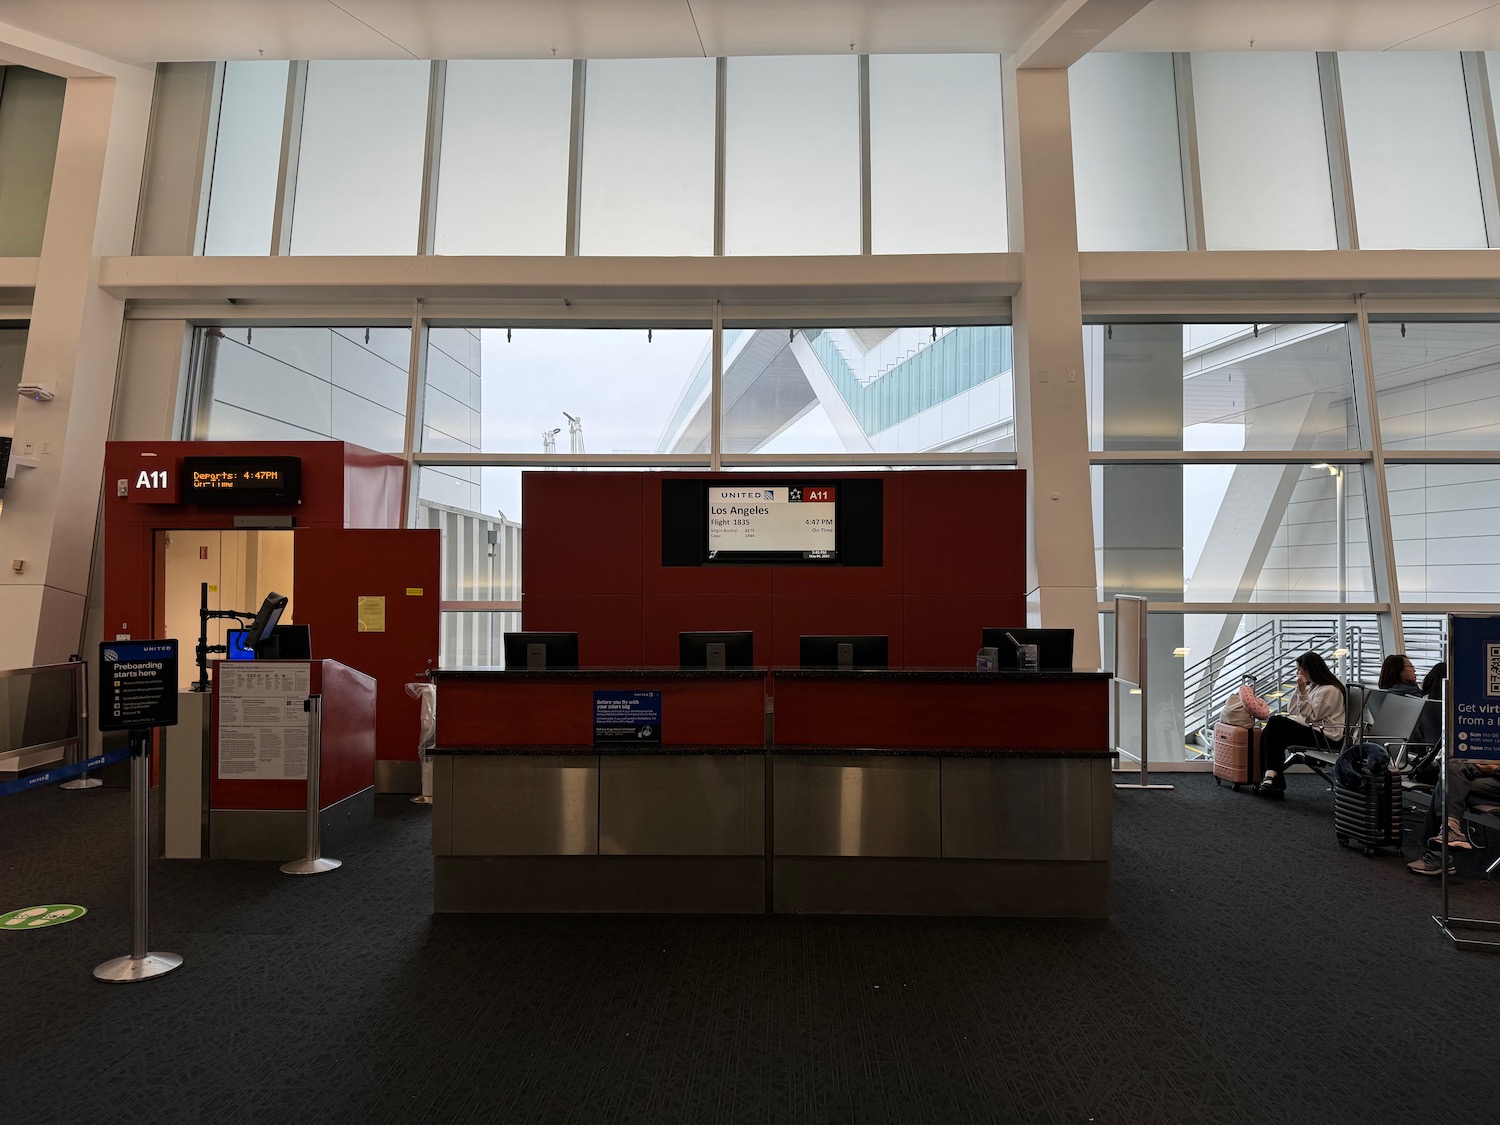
(35, 917)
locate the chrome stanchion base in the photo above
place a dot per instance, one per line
(421, 800)
(123, 970)
(82, 783)
(311, 866)
(1137, 785)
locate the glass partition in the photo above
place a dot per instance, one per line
(246, 158)
(1438, 385)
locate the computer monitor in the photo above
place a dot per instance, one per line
(259, 632)
(735, 649)
(1054, 647)
(234, 642)
(289, 642)
(846, 652)
(541, 650)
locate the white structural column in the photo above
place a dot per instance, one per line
(51, 508)
(1051, 405)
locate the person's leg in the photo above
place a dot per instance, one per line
(1279, 733)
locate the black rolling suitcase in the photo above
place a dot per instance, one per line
(1369, 816)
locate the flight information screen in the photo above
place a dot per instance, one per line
(781, 521)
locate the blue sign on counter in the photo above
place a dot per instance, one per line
(1474, 671)
(627, 716)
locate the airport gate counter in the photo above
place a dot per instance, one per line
(920, 785)
(902, 791)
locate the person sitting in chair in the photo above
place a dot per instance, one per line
(1399, 676)
(1467, 781)
(1316, 719)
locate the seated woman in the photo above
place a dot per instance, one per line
(1399, 676)
(1432, 683)
(1316, 719)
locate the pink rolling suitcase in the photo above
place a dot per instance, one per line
(1236, 755)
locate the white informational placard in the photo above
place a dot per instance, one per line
(262, 722)
(1130, 625)
(787, 520)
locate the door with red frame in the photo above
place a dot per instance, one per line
(340, 574)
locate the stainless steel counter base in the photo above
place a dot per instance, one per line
(281, 834)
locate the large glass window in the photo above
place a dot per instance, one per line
(503, 174)
(1231, 533)
(1411, 151)
(1127, 163)
(565, 390)
(246, 158)
(359, 172)
(1438, 385)
(648, 157)
(1195, 661)
(262, 384)
(937, 181)
(1222, 387)
(791, 179)
(1446, 528)
(864, 390)
(1262, 152)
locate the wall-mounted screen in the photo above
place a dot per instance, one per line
(773, 521)
(786, 521)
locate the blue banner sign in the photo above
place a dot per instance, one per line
(627, 716)
(62, 773)
(1474, 678)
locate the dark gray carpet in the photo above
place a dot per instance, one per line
(1253, 972)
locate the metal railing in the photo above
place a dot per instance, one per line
(1267, 654)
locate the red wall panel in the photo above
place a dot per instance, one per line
(668, 614)
(942, 630)
(608, 625)
(965, 531)
(954, 541)
(583, 532)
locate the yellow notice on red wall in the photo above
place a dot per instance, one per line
(372, 613)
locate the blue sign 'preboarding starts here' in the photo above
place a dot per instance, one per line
(1474, 666)
(627, 716)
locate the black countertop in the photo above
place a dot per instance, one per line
(660, 674)
(651, 674)
(632, 749)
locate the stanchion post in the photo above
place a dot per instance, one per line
(1140, 682)
(81, 687)
(314, 862)
(138, 965)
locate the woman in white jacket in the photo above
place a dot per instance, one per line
(1316, 719)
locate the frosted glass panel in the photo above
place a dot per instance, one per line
(1127, 166)
(1262, 152)
(1411, 153)
(1445, 524)
(503, 178)
(359, 178)
(937, 178)
(648, 157)
(246, 157)
(791, 181)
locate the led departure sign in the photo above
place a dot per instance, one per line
(241, 480)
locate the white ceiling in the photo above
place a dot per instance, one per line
(148, 31)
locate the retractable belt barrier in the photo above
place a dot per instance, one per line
(62, 772)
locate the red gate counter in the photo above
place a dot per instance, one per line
(908, 791)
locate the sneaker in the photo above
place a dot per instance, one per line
(1431, 863)
(1456, 838)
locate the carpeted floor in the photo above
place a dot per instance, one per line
(1253, 971)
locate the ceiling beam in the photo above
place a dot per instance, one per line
(19, 47)
(1071, 30)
